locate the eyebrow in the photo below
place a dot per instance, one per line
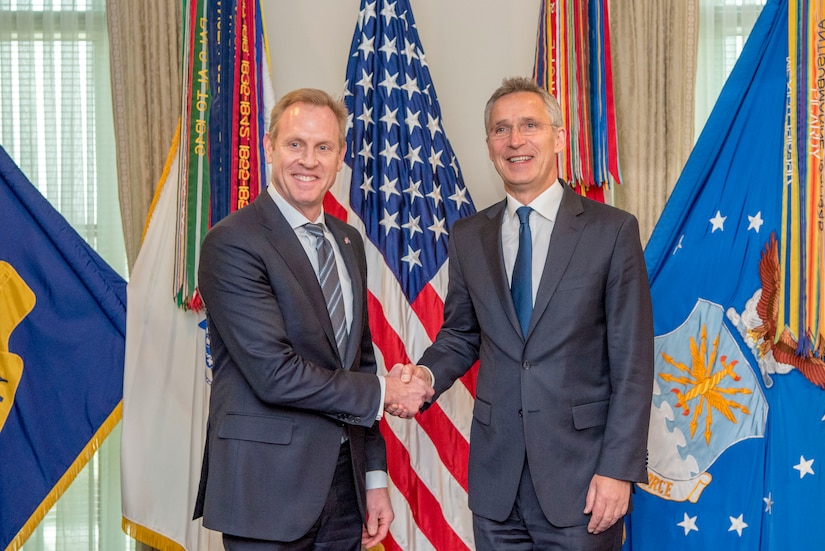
(519, 120)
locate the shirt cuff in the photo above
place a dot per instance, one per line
(432, 377)
(376, 479)
(380, 413)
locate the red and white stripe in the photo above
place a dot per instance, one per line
(427, 456)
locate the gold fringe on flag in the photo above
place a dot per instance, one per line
(68, 477)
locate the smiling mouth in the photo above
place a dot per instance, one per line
(304, 177)
(519, 159)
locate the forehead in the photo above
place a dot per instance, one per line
(517, 106)
(308, 120)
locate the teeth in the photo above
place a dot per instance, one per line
(304, 178)
(519, 159)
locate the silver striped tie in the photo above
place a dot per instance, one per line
(330, 285)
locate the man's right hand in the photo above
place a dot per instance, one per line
(407, 388)
(411, 370)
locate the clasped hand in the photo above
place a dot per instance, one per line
(407, 388)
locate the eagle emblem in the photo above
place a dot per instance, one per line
(785, 349)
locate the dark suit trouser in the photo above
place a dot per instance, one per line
(337, 529)
(527, 529)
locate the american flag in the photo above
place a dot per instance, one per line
(402, 186)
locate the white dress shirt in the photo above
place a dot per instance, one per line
(542, 219)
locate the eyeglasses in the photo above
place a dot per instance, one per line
(529, 128)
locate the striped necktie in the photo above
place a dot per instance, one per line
(330, 285)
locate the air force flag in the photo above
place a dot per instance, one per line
(737, 434)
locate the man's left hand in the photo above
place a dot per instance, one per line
(607, 501)
(379, 517)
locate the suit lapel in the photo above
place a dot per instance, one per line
(491, 245)
(287, 245)
(566, 233)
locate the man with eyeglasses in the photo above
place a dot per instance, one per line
(549, 290)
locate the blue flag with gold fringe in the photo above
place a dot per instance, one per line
(737, 435)
(62, 327)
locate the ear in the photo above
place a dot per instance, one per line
(268, 148)
(342, 155)
(561, 139)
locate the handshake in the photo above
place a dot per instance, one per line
(407, 388)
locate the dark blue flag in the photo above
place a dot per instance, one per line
(737, 436)
(62, 327)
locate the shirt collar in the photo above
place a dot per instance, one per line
(547, 204)
(295, 218)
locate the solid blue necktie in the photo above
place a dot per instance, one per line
(330, 285)
(521, 286)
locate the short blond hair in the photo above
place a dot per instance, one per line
(311, 96)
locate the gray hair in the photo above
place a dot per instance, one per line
(523, 84)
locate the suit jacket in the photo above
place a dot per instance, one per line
(281, 398)
(574, 396)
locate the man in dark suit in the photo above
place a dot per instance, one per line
(294, 458)
(549, 290)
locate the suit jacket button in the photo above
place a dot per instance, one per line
(526, 365)
(520, 413)
(356, 419)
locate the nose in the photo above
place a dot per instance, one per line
(516, 137)
(310, 157)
